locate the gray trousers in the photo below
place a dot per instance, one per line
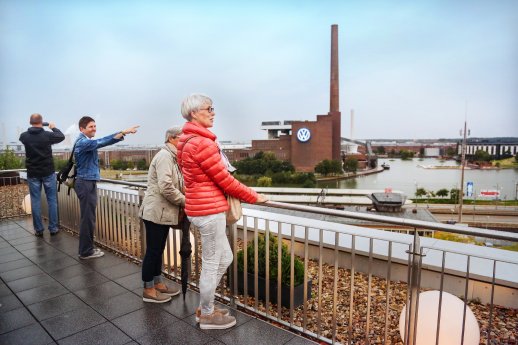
(216, 256)
(87, 193)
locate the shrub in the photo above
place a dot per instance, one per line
(261, 258)
(264, 181)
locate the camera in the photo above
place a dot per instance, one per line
(45, 124)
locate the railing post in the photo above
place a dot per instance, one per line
(142, 231)
(230, 271)
(413, 303)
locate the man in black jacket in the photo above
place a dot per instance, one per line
(40, 170)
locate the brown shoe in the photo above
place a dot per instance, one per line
(158, 298)
(169, 291)
(219, 310)
(216, 321)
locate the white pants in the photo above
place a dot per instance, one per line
(216, 256)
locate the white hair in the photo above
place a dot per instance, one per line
(172, 132)
(193, 103)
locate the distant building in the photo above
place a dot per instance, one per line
(498, 148)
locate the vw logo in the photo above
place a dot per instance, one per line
(303, 135)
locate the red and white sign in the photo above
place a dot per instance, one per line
(489, 193)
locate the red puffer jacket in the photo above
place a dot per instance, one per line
(206, 177)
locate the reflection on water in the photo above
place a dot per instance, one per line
(409, 175)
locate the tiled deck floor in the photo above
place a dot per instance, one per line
(49, 296)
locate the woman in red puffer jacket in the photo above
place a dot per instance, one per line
(207, 180)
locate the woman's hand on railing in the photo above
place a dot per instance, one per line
(261, 199)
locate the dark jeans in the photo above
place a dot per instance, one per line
(156, 237)
(87, 193)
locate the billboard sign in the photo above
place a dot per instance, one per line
(489, 194)
(469, 189)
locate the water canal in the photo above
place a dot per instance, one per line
(408, 175)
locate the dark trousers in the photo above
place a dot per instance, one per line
(156, 237)
(87, 193)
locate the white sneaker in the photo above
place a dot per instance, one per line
(96, 254)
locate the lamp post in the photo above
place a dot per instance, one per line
(463, 164)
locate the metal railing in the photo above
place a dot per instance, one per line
(355, 280)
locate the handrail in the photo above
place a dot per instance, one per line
(463, 230)
(124, 183)
(457, 229)
(13, 170)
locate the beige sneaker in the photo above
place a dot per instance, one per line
(219, 310)
(169, 291)
(159, 298)
(216, 321)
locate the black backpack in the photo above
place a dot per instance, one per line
(67, 174)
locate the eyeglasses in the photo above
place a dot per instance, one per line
(209, 109)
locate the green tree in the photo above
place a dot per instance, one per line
(264, 181)
(59, 163)
(420, 192)
(454, 195)
(450, 151)
(421, 152)
(351, 164)
(406, 154)
(8, 160)
(118, 164)
(516, 158)
(323, 167)
(380, 150)
(141, 164)
(481, 156)
(443, 192)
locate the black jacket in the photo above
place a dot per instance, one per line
(38, 150)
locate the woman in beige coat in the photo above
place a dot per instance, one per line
(160, 210)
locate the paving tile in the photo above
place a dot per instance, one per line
(41, 293)
(83, 281)
(11, 265)
(105, 333)
(55, 306)
(106, 261)
(41, 252)
(4, 244)
(120, 270)
(11, 257)
(142, 321)
(131, 282)
(9, 302)
(261, 332)
(70, 272)
(72, 322)
(29, 335)
(17, 234)
(178, 333)
(241, 319)
(57, 264)
(4, 290)
(15, 319)
(118, 305)
(180, 308)
(100, 293)
(27, 239)
(8, 250)
(20, 273)
(215, 342)
(30, 245)
(30, 282)
(298, 340)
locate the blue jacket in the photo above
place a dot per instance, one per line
(87, 158)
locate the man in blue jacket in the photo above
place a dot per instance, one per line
(40, 170)
(88, 173)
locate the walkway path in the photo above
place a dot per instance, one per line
(49, 296)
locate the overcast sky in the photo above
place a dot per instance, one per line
(407, 68)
